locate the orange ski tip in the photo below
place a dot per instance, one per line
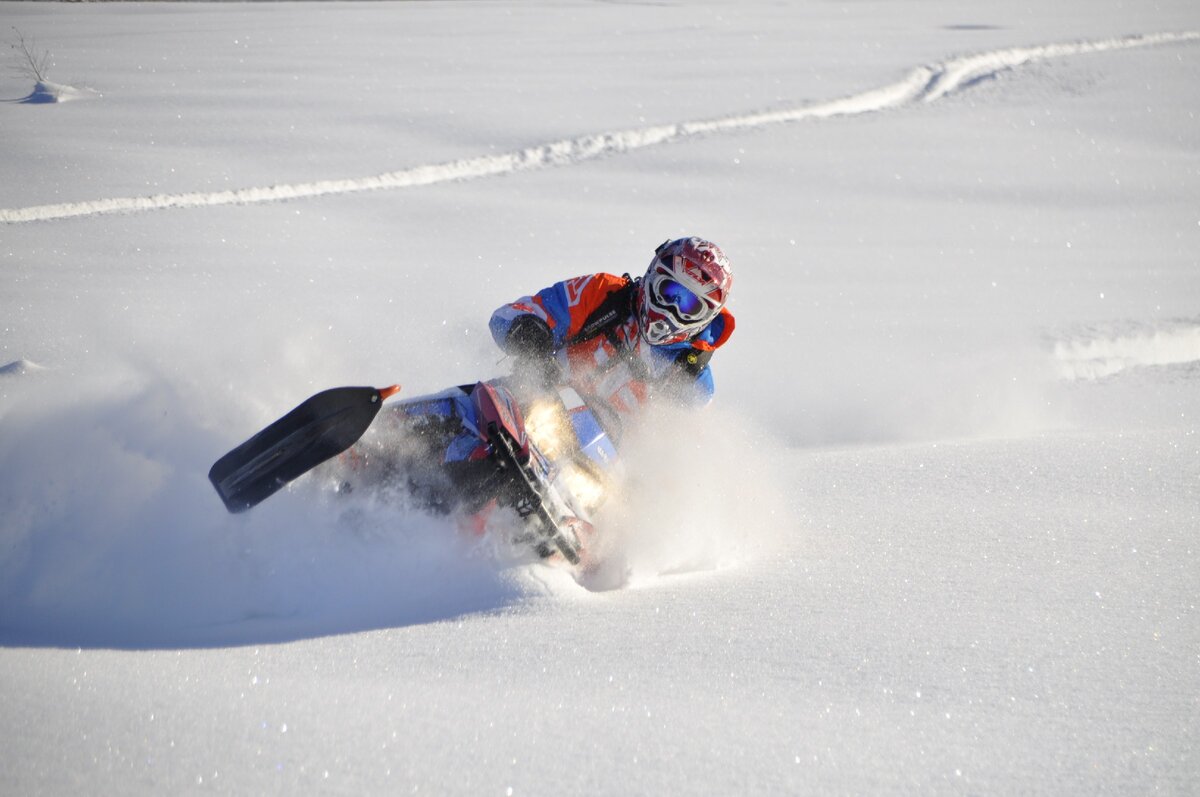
(388, 392)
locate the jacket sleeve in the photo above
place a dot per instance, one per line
(564, 306)
(704, 388)
(502, 320)
(713, 336)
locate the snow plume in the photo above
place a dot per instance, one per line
(700, 493)
(112, 536)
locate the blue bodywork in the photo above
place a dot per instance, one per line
(593, 440)
(455, 408)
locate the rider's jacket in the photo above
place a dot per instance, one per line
(594, 323)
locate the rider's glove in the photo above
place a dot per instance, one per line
(529, 337)
(531, 342)
(692, 361)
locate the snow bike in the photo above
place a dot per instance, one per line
(468, 450)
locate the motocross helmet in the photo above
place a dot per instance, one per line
(684, 289)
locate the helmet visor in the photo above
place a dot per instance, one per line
(688, 305)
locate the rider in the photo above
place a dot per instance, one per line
(622, 339)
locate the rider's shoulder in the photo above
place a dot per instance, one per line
(589, 290)
(599, 282)
(716, 333)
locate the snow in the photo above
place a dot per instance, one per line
(938, 533)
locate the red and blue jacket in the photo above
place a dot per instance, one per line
(597, 342)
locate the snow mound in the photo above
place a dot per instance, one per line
(46, 92)
(20, 367)
(1101, 354)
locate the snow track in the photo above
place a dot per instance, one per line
(923, 85)
(1104, 353)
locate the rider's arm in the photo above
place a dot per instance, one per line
(690, 377)
(692, 361)
(532, 314)
(562, 308)
(703, 388)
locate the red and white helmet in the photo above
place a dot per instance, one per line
(684, 289)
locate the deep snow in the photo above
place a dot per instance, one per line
(945, 538)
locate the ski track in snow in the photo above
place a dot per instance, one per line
(1098, 354)
(924, 84)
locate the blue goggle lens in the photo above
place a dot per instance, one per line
(689, 304)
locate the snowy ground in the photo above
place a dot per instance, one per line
(948, 537)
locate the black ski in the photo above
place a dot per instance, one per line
(320, 428)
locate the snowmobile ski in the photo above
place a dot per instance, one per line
(321, 427)
(531, 501)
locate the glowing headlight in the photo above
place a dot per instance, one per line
(548, 428)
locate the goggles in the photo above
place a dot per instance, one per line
(688, 305)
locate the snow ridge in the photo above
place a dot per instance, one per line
(961, 72)
(1104, 354)
(924, 84)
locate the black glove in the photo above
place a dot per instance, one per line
(692, 361)
(532, 344)
(530, 338)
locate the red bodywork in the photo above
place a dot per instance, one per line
(496, 406)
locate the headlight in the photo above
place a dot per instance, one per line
(547, 425)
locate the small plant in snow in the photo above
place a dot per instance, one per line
(34, 63)
(30, 62)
